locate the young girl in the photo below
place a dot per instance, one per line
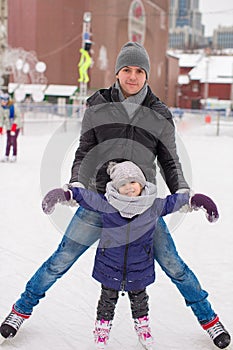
(124, 257)
(10, 119)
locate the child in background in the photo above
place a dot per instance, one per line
(10, 118)
(124, 257)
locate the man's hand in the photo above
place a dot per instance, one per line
(66, 187)
(186, 208)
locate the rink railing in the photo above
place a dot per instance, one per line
(42, 113)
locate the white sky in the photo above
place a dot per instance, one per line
(216, 12)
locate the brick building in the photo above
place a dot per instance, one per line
(202, 78)
(172, 77)
(53, 30)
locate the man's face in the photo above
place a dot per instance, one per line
(131, 79)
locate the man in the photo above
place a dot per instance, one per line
(125, 122)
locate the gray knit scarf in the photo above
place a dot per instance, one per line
(132, 102)
(131, 206)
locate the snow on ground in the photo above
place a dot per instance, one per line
(64, 319)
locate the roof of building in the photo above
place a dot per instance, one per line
(186, 60)
(189, 60)
(27, 88)
(60, 90)
(213, 69)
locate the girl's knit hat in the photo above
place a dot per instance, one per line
(121, 173)
(133, 54)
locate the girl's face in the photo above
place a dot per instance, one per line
(130, 189)
(131, 79)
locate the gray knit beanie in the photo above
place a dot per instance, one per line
(133, 54)
(121, 173)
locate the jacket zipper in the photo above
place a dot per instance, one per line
(123, 283)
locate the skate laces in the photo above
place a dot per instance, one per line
(143, 330)
(216, 330)
(14, 320)
(102, 330)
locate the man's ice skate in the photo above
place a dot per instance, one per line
(217, 333)
(143, 331)
(11, 324)
(101, 333)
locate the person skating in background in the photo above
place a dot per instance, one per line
(10, 119)
(126, 121)
(124, 258)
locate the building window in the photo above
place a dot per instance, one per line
(195, 87)
(137, 22)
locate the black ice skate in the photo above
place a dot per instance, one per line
(11, 324)
(217, 333)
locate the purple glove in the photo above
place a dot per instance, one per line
(200, 201)
(58, 195)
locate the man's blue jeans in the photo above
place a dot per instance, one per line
(83, 230)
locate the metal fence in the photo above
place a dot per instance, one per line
(36, 110)
(52, 113)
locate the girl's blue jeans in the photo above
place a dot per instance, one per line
(83, 230)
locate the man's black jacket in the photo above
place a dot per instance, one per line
(109, 134)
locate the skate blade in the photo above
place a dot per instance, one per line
(2, 339)
(229, 347)
(147, 347)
